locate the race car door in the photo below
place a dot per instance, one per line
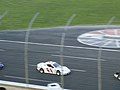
(50, 69)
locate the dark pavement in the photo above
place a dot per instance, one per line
(44, 45)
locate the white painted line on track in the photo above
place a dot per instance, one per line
(2, 50)
(54, 45)
(9, 41)
(92, 48)
(31, 43)
(78, 70)
(40, 80)
(91, 59)
(32, 65)
(14, 77)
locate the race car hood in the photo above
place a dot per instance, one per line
(62, 67)
(64, 70)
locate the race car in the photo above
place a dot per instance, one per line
(1, 65)
(117, 75)
(52, 68)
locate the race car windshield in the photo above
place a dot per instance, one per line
(56, 65)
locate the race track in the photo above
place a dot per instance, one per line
(44, 45)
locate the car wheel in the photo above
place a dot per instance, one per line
(118, 77)
(41, 70)
(58, 73)
(2, 88)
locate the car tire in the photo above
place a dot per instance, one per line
(118, 77)
(58, 73)
(2, 88)
(41, 70)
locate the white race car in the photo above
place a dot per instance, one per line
(52, 68)
(117, 75)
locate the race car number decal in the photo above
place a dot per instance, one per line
(49, 70)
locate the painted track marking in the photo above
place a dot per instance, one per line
(77, 70)
(92, 59)
(2, 50)
(54, 45)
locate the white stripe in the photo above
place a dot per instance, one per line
(77, 70)
(24, 78)
(20, 42)
(32, 65)
(92, 59)
(13, 77)
(2, 50)
(92, 48)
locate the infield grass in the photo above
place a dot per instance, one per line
(57, 12)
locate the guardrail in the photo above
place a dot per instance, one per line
(23, 85)
(31, 86)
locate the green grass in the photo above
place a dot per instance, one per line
(57, 12)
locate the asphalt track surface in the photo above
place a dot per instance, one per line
(45, 45)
